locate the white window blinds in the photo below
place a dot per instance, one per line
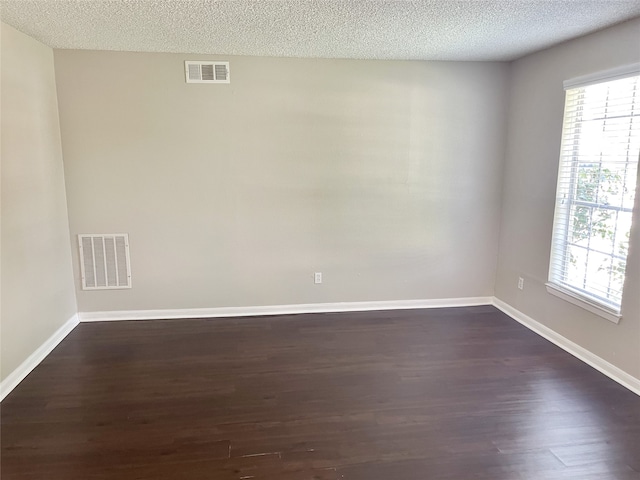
(596, 189)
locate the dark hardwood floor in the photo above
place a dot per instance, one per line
(457, 394)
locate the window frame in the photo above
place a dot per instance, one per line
(590, 302)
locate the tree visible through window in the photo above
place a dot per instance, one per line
(596, 190)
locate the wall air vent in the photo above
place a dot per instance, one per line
(104, 261)
(207, 72)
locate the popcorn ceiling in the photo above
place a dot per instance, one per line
(424, 30)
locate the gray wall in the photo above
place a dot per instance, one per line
(385, 176)
(535, 125)
(38, 294)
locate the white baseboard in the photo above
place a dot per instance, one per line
(281, 309)
(25, 368)
(608, 369)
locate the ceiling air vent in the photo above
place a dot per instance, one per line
(207, 72)
(104, 261)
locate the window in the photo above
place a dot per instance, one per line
(595, 194)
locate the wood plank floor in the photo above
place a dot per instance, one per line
(458, 394)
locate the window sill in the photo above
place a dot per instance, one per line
(581, 302)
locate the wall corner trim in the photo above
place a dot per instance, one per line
(217, 312)
(26, 367)
(620, 376)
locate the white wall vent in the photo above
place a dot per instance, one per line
(207, 72)
(104, 261)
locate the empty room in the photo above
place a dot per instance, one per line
(320, 240)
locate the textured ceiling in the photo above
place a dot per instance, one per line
(427, 30)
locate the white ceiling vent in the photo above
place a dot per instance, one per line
(207, 72)
(104, 261)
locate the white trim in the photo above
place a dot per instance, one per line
(26, 367)
(616, 73)
(582, 302)
(281, 309)
(590, 358)
(608, 369)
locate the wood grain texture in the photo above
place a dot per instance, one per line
(460, 393)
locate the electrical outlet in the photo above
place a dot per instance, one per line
(521, 283)
(317, 277)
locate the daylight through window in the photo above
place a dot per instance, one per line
(596, 189)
